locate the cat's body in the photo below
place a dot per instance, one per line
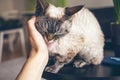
(82, 37)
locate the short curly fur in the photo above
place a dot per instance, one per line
(77, 35)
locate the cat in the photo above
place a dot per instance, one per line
(70, 32)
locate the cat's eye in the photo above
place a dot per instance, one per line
(58, 24)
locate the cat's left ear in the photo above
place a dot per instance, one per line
(41, 6)
(69, 11)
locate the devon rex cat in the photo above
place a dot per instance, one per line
(70, 32)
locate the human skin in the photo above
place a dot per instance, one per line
(35, 64)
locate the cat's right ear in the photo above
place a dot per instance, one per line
(69, 11)
(41, 6)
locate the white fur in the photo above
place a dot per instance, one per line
(85, 35)
(55, 12)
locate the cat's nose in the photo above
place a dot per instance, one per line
(50, 37)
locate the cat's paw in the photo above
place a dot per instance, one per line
(79, 63)
(51, 69)
(97, 60)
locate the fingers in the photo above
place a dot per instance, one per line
(32, 30)
(37, 40)
(31, 25)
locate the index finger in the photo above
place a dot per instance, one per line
(31, 24)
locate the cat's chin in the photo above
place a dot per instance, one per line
(51, 41)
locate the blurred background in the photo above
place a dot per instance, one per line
(14, 14)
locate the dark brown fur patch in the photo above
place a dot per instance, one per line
(71, 54)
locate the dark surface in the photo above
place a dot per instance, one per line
(94, 72)
(91, 72)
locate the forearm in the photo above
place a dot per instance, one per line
(33, 67)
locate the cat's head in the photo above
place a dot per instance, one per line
(53, 22)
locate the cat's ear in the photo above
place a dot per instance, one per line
(69, 11)
(41, 6)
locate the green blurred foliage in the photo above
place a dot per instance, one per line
(58, 3)
(30, 4)
(117, 10)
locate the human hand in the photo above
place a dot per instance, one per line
(38, 58)
(37, 42)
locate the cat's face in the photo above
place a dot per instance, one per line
(51, 28)
(53, 22)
